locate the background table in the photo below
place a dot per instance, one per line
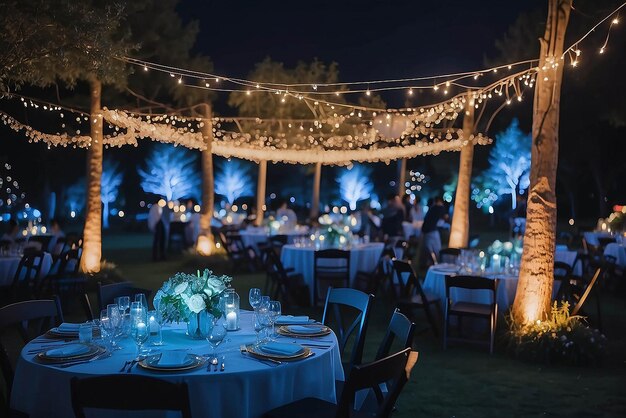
(247, 388)
(618, 251)
(254, 237)
(8, 267)
(363, 257)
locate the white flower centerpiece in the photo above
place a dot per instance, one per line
(194, 299)
(337, 231)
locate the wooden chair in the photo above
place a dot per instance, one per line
(381, 277)
(284, 283)
(562, 276)
(43, 240)
(582, 292)
(107, 293)
(476, 310)
(128, 392)
(332, 266)
(237, 252)
(27, 280)
(393, 371)
(400, 330)
(449, 255)
(411, 296)
(348, 310)
(30, 319)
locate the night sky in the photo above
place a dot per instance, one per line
(368, 39)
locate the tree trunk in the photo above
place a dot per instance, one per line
(402, 177)
(92, 232)
(534, 288)
(260, 192)
(206, 242)
(315, 201)
(459, 230)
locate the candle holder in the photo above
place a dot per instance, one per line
(231, 310)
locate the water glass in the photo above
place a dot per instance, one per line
(123, 302)
(274, 311)
(154, 324)
(216, 336)
(139, 329)
(140, 297)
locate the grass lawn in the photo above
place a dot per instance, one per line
(463, 381)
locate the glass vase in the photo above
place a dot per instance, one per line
(199, 325)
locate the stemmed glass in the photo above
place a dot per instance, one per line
(105, 328)
(123, 303)
(140, 297)
(215, 337)
(255, 297)
(139, 328)
(115, 323)
(274, 311)
(258, 326)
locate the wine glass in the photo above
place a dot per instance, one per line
(140, 297)
(123, 302)
(215, 337)
(258, 327)
(255, 297)
(274, 311)
(139, 329)
(115, 323)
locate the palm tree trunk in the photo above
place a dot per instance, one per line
(315, 201)
(206, 242)
(260, 192)
(92, 232)
(534, 289)
(459, 230)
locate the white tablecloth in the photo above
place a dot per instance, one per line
(8, 267)
(569, 257)
(592, 237)
(247, 388)
(618, 251)
(252, 238)
(436, 284)
(363, 257)
(412, 229)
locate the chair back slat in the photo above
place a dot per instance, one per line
(401, 329)
(393, 371)
(471, 282)
(129, 393)
(358, 302)
(411, 285)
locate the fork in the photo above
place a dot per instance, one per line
(98, 357)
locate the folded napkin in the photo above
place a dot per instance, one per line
(282, 349)
(68, 350)
(67, 327)
(173, 358)
(289, 319)
(311, 329)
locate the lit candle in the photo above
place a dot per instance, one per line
(154, 325)
(231, 321)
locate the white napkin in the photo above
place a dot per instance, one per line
(173, 358)
(68, 350)
(290, 319)
(68, 327)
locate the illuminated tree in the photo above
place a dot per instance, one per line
(355, 184)
(510, 166)
(534, 288)
(111, 180)
(170, 172)
(75, 197)
(233, 181)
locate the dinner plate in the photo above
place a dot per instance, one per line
(56, 334)
(252, 350)
(191, 362)
(92, 351)
(316, 330)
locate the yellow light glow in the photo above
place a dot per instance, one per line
(234, 208)
(196, 208)
(120, 213)
(205, 245)
(571, 222)
(44, 229)
(24, 232)
(182, 208)
(162, 203)
(170, 205)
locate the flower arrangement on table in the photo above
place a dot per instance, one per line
(336, 232)
(185, 294)
(562, 338)
(507, 248)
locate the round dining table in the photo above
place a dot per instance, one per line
(245, 388)
(363, 257)
(618, 251)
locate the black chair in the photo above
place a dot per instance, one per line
(42, 240)
(411, 296)
(331, 266)
(30, 319)
(107, 293)
(238, 253)
(27, 279)
(128, 392)
(372, 281)
(469, 309)
(392, 371)
(400, 330)
(284, 284)
(562, 276)
(582, 291)
(278, 240)
(449, 255)
(349, 311)
(176, 236)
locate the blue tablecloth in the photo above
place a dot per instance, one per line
(247, 388)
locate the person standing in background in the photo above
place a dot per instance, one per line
(430, 231)
(393, 216)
